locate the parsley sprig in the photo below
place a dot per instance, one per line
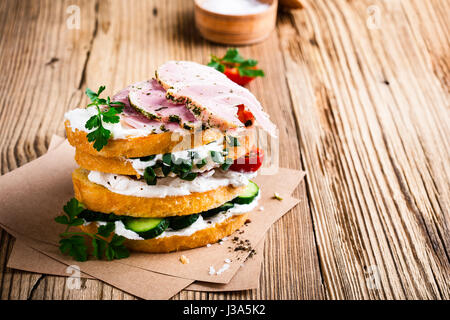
(232, 59)
(101, 135)
(74, 243)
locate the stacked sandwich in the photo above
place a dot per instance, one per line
(165, 159)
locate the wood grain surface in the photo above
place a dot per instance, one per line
(359, 90)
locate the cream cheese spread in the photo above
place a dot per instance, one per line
(119, 230)
(169, 186)
(198, 225)
(78, 118)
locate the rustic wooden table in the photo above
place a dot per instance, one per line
(359, 90)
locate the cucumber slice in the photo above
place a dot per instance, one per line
(210, 213)
(180, 222)
(250, 192)
(147, 228)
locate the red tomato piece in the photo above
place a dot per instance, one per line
(251, 162)
(233, 75)
(245, 116)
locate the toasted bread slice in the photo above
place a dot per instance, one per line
(117, 165)
(176, 243)
(98, 198)
(141, 146)
(120, 165)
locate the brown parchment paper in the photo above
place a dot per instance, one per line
(26, 258)
(36, 192)
(136, 281)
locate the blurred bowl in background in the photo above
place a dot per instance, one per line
(235, 29)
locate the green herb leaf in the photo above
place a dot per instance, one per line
(105, 230)
(73, 208)
(250, 72)
(186, 166)
(110, 116)
(217, 157)
(91, 94)
(232, 59)
(76, 222)
(233, 141)
(166, 170)
(167, 159)
(74, 243)
(75, 247)
(189, 176)
(194, 155)
(62, 219)
(117, 241)
(116, 248)
(150, 176)
(109, 253)
(249, 63)
(96, 248)
(232, 55)
(121, 252)
(217, 65)
(202, 163)
(101, 135)
(117, 103)
(100, 90)
(93, 122)
(227, 164)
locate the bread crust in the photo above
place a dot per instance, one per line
(141, 146)
(119, 165)
(176, 243)
(98, 198)
(109, 165)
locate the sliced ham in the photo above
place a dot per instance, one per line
(129, 116)
(122, 96)
(210, 95)
(149, 99)
(134, 119)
